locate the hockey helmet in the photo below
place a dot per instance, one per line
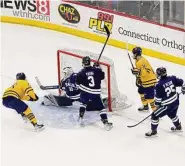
(137, 51)
(161, 72)
(67, 71)
(20, 76)
(86, 61)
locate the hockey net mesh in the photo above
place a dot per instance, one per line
(66, 58)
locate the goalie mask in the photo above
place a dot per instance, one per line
(67, 72)
(137, 51)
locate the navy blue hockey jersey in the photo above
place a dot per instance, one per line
(89, 80)
(70, 87)
(165, 91)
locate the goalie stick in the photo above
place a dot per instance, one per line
(145, 118)
(46, 87)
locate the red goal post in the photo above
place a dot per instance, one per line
(73, 58)
(59, 67)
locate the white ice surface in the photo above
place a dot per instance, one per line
(33, 51)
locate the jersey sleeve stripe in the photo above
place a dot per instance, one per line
(150, 81)
(160, 110)
(158, 99)
(170, 100)
(28, 89)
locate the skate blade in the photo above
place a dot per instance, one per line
(153, 136)
(177, 131)
(144, 111)
(40, 129)
(108, 128)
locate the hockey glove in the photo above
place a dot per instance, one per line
(31, 99)
(135, 71)
(96, 64)
(183, 89)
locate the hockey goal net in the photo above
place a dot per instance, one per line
(73, 58)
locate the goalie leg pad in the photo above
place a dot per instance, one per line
(52, 100)
(63, 101)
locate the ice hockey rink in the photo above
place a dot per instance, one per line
(33, 51)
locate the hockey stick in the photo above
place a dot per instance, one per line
(129, 56)
(140, 121)
(45, 87)
(145, 117)
(108, 35)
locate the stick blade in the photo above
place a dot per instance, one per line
(131, 126)
(107, 30)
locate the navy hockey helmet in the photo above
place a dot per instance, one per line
(20, 76)
(137, 51)
(86, 61)
(161, 72)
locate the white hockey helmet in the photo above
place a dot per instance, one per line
(67, 71)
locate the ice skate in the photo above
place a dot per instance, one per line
(25, 119)
(152, 133)
(177, 128)
(80, 121)
(39, 127)
(108, 126)
(144, 108)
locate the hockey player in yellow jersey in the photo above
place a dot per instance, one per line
(145, 80)
(13, 96)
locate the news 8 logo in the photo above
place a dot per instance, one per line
(43, 7)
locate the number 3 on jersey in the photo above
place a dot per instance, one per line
(169, 90)
(91, 80)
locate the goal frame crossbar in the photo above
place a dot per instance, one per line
(59, 59)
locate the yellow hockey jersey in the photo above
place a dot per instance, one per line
(21, 89)
(147, 75)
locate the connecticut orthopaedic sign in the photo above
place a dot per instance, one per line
(147, 35)
(84, 19)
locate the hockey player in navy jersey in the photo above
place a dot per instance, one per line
(166, 100)
(89, 81)
(68, 84)
(71, 91)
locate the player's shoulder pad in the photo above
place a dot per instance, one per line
(174, 77)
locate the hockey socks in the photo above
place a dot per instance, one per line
(103, 116)
(152, 104)
(81, 112)
(143, 100)
(31, 117)
(146, 102)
